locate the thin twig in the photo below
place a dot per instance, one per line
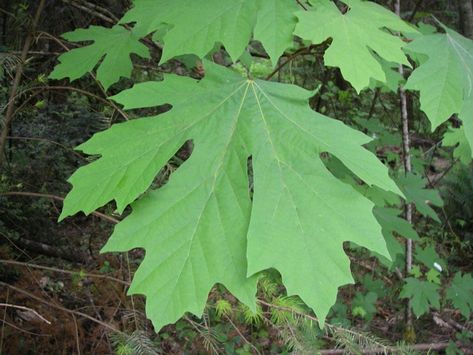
(35, 53)
(100, 9)
(301, 4)
(242, 336)
(25, 309)
(90, 11)
(50, 142)
(290, 58)
(3, 324)
(68, 272)
(23, 330)
(58, 198)
(135, 318)
(71, 88)
(77, 333)
(61, 308)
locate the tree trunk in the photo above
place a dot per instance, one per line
(465, 8)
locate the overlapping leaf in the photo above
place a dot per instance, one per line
(195, 229)
(445, 78)
(114, 45)
(197, 26)
(356, 36)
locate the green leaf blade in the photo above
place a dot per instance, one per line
(354, 39)
(114, 45)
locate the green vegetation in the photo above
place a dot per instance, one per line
(277, 176)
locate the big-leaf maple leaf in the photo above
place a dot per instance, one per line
(445, 78)
(114, 45)
(197, 26)
(356, 36)
(195, 228)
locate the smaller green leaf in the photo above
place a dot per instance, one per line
(114, 45)
(444, 77)
(354, 39)
(423, 294)
(460, 293)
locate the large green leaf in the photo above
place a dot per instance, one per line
(445, 78)
(195, 228)
(356, 35)
(114, 45)
(197, 26)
